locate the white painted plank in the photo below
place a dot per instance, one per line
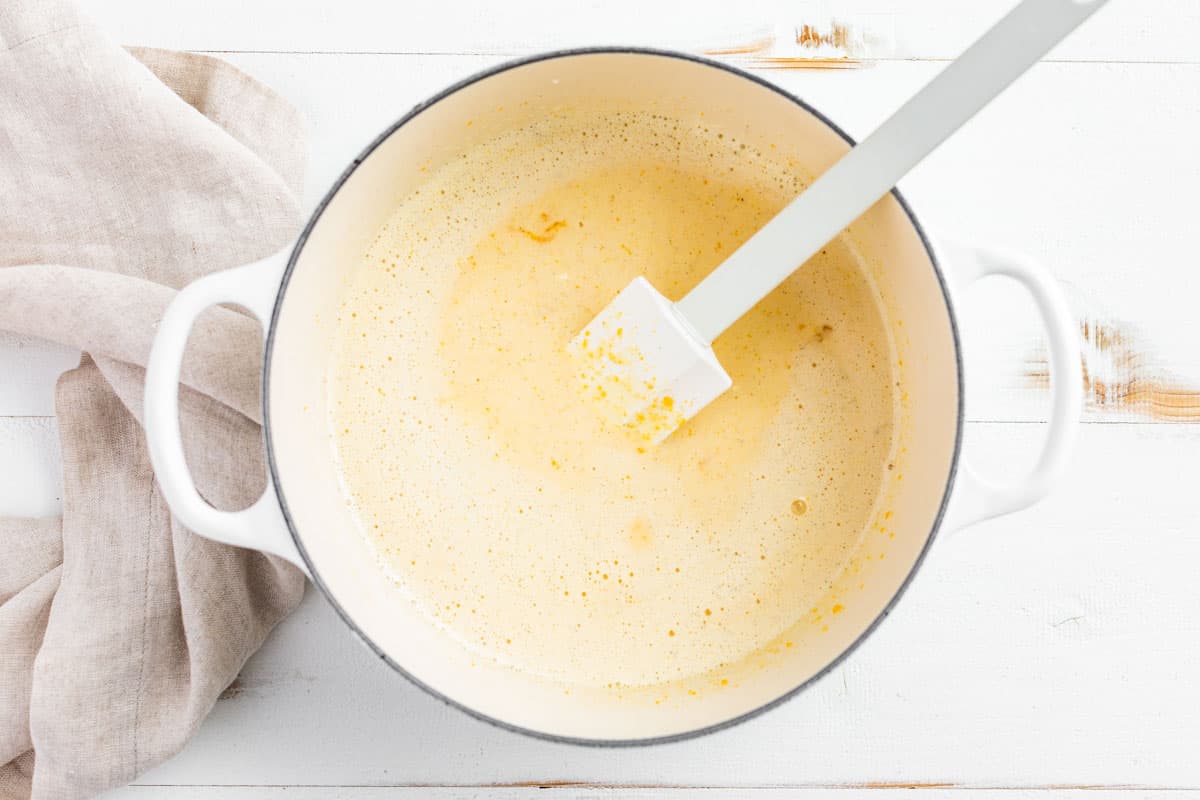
(630, 793)
(30, 467)
(1070, 166)
(1149, 30)
(29, 368)
(1055, 647)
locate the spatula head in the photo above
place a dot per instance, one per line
(644, 367)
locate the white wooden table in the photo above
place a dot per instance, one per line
(1053, 652)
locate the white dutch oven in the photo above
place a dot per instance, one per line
(304, 518)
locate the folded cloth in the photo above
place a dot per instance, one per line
(124, 175)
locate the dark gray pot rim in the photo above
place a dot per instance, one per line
(315, 572)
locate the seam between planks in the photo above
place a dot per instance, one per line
(969, 421)
(527, 51)
(870, 785)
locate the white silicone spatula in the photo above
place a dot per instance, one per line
(650, 361)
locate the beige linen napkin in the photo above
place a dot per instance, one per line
(123, 176)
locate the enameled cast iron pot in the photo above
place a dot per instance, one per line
(303, 517)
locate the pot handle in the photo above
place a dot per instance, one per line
(977, 498)
(261, 526)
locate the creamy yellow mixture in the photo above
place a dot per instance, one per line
(493, 494)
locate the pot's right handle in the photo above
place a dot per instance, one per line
(261, 526)
(977, 498)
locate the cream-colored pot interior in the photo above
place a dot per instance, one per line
(301, 450)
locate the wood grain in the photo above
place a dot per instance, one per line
(1148, 30)
(1121, 376)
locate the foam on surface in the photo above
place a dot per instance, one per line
(503, 507)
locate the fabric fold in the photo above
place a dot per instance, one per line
(124, 175)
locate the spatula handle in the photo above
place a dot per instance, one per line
(871, 169)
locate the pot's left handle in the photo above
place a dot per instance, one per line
(261, 526)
